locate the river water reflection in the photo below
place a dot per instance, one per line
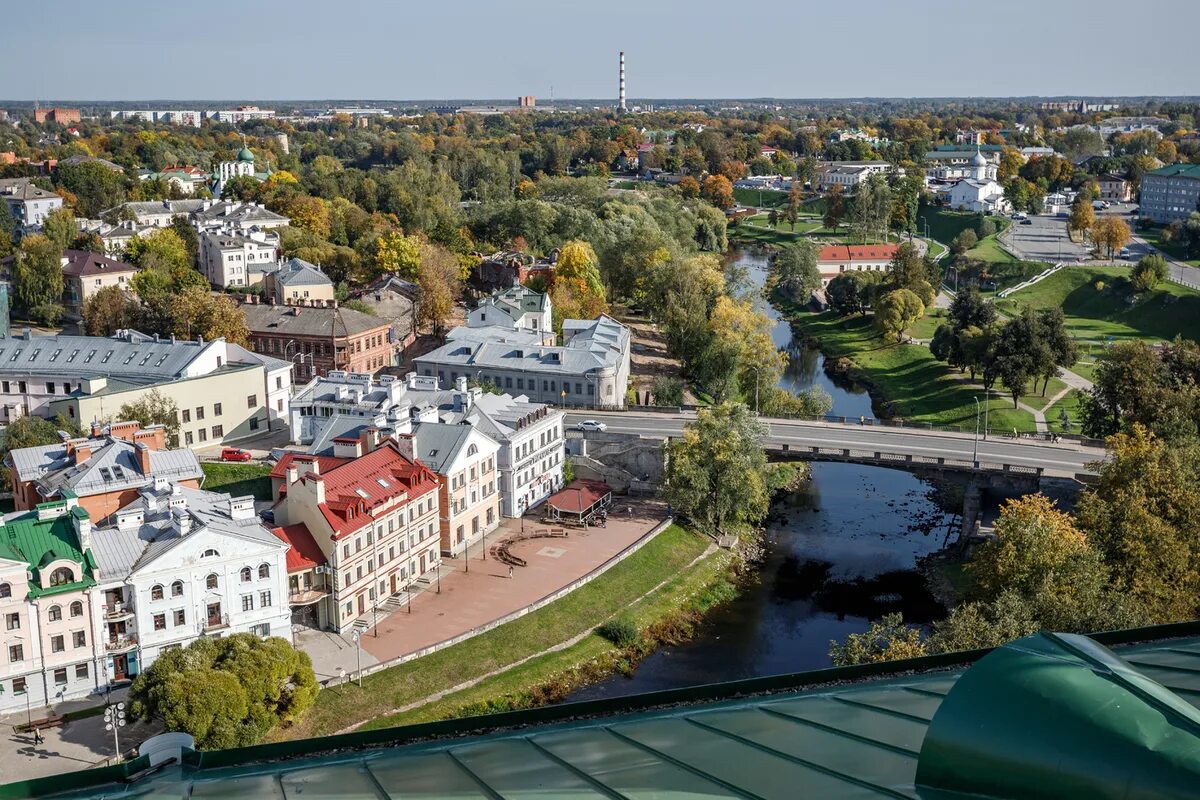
(839, 554)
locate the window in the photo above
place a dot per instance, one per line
(211, 581)
(55, 613)
(56, 644)
(18, 685)
(79, 639)
(156, 592)
(61, 576)
(263, 630)
(264, 599)
(187, 438)
(177, 589)
(60, 676)
(216, 409)
(16, 653)
(264, 570)
(247, 602)
(218, 431)
(204, 434)
(160, 622)
(186, 414)
(254, 423)
(12, 622)
(210, 552)
(251, 401)
(81, 672)
(245, 574)
(199, 413)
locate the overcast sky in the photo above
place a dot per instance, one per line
(460, 49)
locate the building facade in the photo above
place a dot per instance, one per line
(29, 204)
(86, 273)
(296, 279)
(464, 460)
(833, 260)
(1170, 193)
(229, 258)
(318, 336)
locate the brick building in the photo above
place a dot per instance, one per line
(318, 336)
(63, 116)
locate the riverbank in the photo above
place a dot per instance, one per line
(905, 380)
(665, 570)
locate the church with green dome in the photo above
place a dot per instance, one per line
(242, 166)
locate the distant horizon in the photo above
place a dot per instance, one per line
(136, 50)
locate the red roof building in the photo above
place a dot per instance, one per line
(838, 258)
(580, 500)
(308, 577)
(374, 518)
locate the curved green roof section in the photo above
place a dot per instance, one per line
(1059, 715)
(245, 155)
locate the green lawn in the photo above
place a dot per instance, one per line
(918, 387)
(1153, 237)
(580, 611)
(1034, 398)
(990, 250)
(1086, 368)
(764, 198)
(924, 327)
(1098, 315)
(238, 479)
(1071, 404)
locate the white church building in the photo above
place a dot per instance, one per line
(980, 192)
(242, 167)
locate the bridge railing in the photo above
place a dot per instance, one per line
(883, 456)
(875, 422)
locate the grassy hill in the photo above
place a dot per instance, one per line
(1114, 311)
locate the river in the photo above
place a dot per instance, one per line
(839, 554)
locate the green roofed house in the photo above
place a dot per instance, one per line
(1048, 716)
(48, 650)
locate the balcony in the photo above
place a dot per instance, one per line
(121, 644)
(306, 597)
(215, 623)
(115, 612)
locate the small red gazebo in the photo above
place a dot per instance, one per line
(580, 501)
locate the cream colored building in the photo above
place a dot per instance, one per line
(464, 459)
(86, 273)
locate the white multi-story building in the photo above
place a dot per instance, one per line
(516, 308)
(29, 204)
(229, 258)
(849, 174)
(181, 563)
(239, 114)
(167, 116)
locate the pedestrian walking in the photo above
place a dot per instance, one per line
(510, 571)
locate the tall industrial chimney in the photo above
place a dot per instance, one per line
(621, 95)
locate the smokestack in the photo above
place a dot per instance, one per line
(621, 95)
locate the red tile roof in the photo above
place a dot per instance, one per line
(842, 253)
(304, 552)
(358, 485)
(579, 496)
(324, 463)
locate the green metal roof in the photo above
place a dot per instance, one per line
(1177, 171)
(823, 736)
(40, 542)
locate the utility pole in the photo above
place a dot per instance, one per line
(355, 636)
(114, 720)
(975, 455)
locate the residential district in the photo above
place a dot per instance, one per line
(326, 420)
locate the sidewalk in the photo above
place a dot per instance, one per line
(75, 745)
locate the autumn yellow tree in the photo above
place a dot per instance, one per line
(742, 332)
(689, 187)
(1082, 217)
(198, 312)
(1033, 546)
(399, 254)
(440, 286)
(577, 291)
(1110, 234)
(719, 191)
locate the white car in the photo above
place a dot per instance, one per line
(592, 425)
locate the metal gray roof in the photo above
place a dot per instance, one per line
(438, 443)
(592, 344)
(298, 272)
(155, 207)
(308, 320)
(112, 466)
(133, 356)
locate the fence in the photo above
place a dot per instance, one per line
(855, 454)
(520, 612)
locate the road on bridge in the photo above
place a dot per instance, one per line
(1064, 459)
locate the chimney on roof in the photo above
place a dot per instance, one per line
(143, 457)
(80, 450)
(83, 529)
(241, 507)
(181, 520)
(96, 429)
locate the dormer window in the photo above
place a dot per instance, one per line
(210, 552)
(62, 576)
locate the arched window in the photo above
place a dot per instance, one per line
(61, 576)
(264, 570)
(177, 589)
(210, 552)
(77, 609)
(156, 592)
(55, 613)
(245, 574)
(211, 581)
(472, 450)
(5, 590)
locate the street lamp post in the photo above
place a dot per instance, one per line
(975, 455)
(114, 720)
(757, 375)
(355, 636)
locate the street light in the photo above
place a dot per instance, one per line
(975, 455)
(757, 375)
(355, 636)
(114, 720)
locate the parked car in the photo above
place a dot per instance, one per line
(1125, 253)
(592, 425)
(234, 454)
(267, 516)
(1026, 221)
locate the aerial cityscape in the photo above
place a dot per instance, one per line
(609, 413)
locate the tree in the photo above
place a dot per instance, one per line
(393, 252)
(719, 191)
(835, 207)
(897, 310)
(189, 236)
(96, 188)
(1149, 272)
(1141, 513)
(440, 285)
(38, 277)
(668, 391)
(226, 692)
(965, 240)
(1082, 216)
(1128, 388)
(717, 473)
(1056, 341)
(577, 291)
(59, 227)
(161, 249)
(1110, 234)
(796, 265)
(888, 639)
(198, 312)
(852, 292)
(109, 310)
(689, 187)
(795, 199)
(970, 309)
(911, 270)
(154, 408)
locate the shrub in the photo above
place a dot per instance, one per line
(621, 631)
(1099, 286)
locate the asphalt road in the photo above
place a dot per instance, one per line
(1063, 459)
(1045, 239)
